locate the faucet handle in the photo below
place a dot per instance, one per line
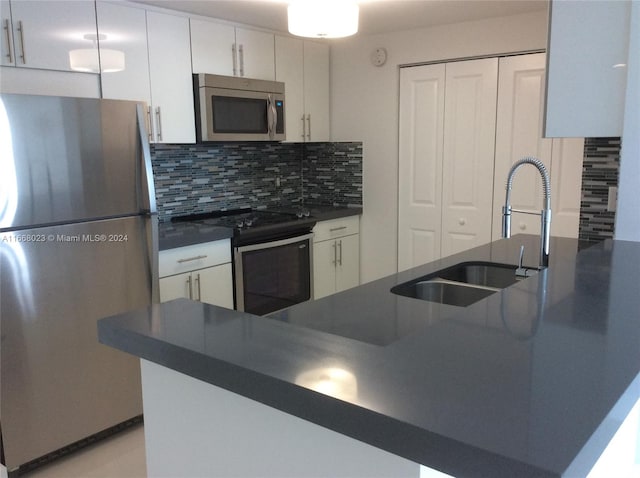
(521, 257)
(521, 271)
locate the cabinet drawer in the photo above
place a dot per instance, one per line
(336, 228)
(196, 256)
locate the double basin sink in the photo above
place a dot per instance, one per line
(462, 284)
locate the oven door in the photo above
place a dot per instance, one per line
(238, 115)
(274, 275)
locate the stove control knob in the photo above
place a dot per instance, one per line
(299, 214)
(240, 224)
(248, 222)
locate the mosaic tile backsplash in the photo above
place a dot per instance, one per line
(198, 178)
(600, 168)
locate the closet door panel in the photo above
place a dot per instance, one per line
(469, 135)
(519, 134)
(420, 167)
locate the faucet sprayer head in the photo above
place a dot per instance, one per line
(506, 222)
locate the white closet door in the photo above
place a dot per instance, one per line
(566, 186)
(469, 136)
(420, 164)
(519, 134)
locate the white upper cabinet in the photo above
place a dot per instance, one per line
(304, 68)
(289, 69)
(173, 112)
(588, 48)
(213, 48)
(6, 42)
(256, 55)
(316, 90)
(125, 30)
(157, 68)
(223, 49)
(40, 34)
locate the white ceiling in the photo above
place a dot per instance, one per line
(376, 16)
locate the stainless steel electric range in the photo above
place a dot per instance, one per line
(272, 256)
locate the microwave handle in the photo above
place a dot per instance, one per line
(272, 117)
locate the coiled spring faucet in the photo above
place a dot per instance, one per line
(545, 214)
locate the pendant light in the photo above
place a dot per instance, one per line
(323, 18)
(90, 61)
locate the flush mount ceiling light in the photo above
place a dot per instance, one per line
(323, 18)
(87, 60)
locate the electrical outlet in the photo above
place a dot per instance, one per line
(612, 200)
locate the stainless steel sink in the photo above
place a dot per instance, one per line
(443, 292)
(485, 274)
(460, 285)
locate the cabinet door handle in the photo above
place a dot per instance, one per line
(309, 129)
(235, 60)
(241, 58)
(198, 286)
(159, 124)
(8, 34)
(150, 119)
(340, 245)
(21, 30)
(194, 258)
(335, 253)
(334, 229)
(304, 128)
(189, 283)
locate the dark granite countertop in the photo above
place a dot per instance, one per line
(326, 213)
(179, 234)
(522, 383)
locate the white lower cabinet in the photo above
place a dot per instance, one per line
(336, 256)
(199, 272)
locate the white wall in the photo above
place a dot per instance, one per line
(364, 107)
(628, 214)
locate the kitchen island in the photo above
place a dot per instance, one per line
(533, 380)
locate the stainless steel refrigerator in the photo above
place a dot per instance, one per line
(77, 243)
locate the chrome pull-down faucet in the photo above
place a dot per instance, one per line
(545, 214)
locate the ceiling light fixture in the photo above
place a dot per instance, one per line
(87, 60)
(323, 18)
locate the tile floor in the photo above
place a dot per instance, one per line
(119, 456)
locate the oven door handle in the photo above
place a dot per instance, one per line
(269, 245)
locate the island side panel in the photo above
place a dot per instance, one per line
(195, 429)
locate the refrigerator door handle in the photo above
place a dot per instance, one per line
(148, 201)
(146, 181)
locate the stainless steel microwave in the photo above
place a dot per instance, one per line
(230, 108)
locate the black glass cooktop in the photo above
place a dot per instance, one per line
(256, 225)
